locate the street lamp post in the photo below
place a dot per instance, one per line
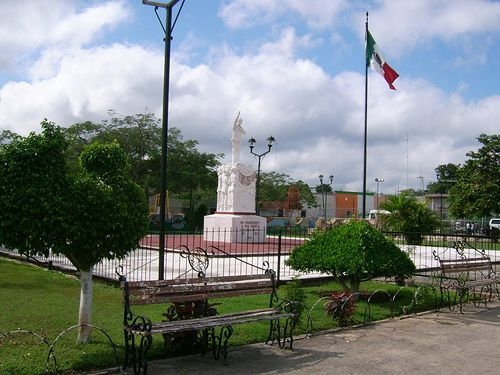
(167, 29)
(252, 142)
(323, 191)
(378, 180)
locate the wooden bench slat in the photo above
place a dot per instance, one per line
(196, 280)
(167, 292)
(218, 320)
(173, 298)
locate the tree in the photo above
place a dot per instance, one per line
(189, 171)
(352, 252)
(94, 214)
(274, 187)
(409, 216)
(446, 175)
(307, 198)
(477, 190)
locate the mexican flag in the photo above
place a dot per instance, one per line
(375, 58)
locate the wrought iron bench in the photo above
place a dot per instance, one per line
(467, 278)
(212, 329)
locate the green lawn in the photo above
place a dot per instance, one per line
(46, 303)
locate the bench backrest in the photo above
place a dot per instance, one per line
(195, 289)
(465, 266)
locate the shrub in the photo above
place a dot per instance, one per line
(341, 306)
(293, 291)
(352, 252)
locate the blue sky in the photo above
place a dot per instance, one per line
(294, 68)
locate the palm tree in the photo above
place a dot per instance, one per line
(409, 216)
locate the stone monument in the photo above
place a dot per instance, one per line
(235, 219)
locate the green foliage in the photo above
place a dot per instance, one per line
(293, 291)
(88, 215)
(477, 192)
(34, 191)
(307, 198)
(447, 176)
(111, 210)
(409, 216)
(140, 136)
(351, 252)
(274, 187)
(45, 205)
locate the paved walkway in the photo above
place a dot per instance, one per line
(432, 343)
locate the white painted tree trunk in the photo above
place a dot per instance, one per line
(84, 313)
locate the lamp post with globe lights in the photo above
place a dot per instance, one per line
(323, 187)
(270, 141)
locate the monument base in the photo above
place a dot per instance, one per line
(235, 228)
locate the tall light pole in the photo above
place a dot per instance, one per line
(270, 140)
(378, 180)
(167, 29)
(323, 191)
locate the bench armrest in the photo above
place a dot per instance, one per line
(137, 323)
(287, 306)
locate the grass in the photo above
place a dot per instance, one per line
(46, 303)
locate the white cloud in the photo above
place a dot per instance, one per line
(87, 83)
(317, 14)
(316, 115)
(51, 25)
(405, 25)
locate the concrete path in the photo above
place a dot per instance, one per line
(432, 343)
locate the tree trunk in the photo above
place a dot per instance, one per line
(85, 310)
(355, 284)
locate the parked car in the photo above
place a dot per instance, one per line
(495, 223)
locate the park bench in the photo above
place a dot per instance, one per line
(467, 278)
(191, 312)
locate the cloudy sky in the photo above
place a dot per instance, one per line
(294, 68)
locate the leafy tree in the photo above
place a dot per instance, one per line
(95, 214)
(477, 190)
(352, 252)
(274, 187)
(307, 198)
(188, 171)
(80, 135)
(409, 216)
(446, 177)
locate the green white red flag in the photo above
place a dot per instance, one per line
(375, 59)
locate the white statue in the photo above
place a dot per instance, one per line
(235, 218)
(238, 132)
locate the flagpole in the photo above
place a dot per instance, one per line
(366, 120)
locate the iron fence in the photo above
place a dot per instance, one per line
(240, 258)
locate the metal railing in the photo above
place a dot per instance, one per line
(231, 258)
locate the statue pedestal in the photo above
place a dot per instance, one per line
(238, 228)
